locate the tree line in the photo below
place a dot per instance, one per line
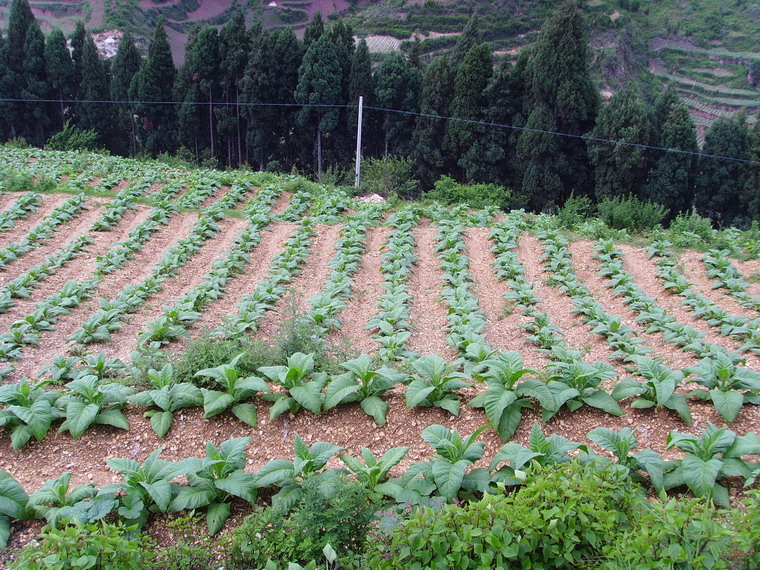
(267, 99)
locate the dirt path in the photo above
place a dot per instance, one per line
(82, 267)
(305, 285)
(503, 320)
(643, 270)
(49, 203)
(695, 271)
(427, 310)
(136, 270)
(271, 243)
(124, 341)
(366, 290)
(587, 270)
(559, 306)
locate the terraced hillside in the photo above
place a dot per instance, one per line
(126, 259)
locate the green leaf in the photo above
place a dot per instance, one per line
(216, 515)
(509, 422)
(112, 417)
(5, 531)
(80, 416)
(449, 403)
(700, 475)
(13, 498)
(339, 389)
(245, 413)
(161, 422)
(728, 404)
(448, 476)
(275, 472)
(417, 392)
(190, 497)
(603, 401)
(497, 399)
(240, 484)
(375, 407)
(309, 396)
(161, 493)
(215, 402)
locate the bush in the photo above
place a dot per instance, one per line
(561, 517)
(478, 196)
(389, 177)
(103, 545)
(689, 229)
(73, 138)
(630, 213)
(575, 210)
(23, 182)
(338, 514)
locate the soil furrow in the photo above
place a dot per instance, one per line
(190, 276)
(366, 290)
(55, 343)
(272, 240)
(559, 306)
(314, 275)
(587, 270)
(79, 268)
(427, 310)
(49, 203)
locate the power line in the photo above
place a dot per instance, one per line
(386, 110)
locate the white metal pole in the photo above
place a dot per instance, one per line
(357, 179)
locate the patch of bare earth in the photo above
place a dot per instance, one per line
(49, 203)
(7, 199)
(81, 267)
(750, 270)
(644, 272)
(56, 342)
(306, 285)
(283, 200)
(427, 310)
(272, 241)
(366, 290)
(558, 305)
(587, 270)
(695, 272)
(124, 341)
(503, 320)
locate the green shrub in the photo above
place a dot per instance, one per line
(390, 176)
(478, 196)
(682, 533)
(210, 352)
(689, 230)
(630, 213)
(561, 518)
(73, 138)
(575, 210)
(100, 546)
(338, 513)
(748, 525)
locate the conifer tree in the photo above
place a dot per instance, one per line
(156, 85)
(203, 69)
(95, 86)
(361, 84)
(78, 38)
(430, 161)
(469, 102)
(60, 71)
(544, 161)
(720, 182)
(6, 91)
(36, 117)
(313, 31)
(317, 90)
(752, 184)
(125, 66)
(671, 180)
(271, 76)
(468, 39)
(20, 18)
(621, 169)
(397, 87)
(663, 104)
(563, 94)
(234, 46)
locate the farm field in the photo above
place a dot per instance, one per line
(129, 260)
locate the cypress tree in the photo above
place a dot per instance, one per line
(543, 161)
(234, 45)
(317, 86)
(78, 38)
(203, 68)
(752, 185)
(469, 102)
(720, 182)
(313, 31)
(468, 39)
(430, 161)
(560, 86)
(60, 71)
(621, 169)
(397, 86)
(671, 181)
(20, 18)
(156, 83)
(272, 77)
(125, 66)
(663, 104)
(36, 118)
(5, 91)
(361, 83)
(95, 86)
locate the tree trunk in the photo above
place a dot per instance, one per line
(319, 153)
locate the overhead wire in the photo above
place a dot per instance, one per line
(398, 111)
